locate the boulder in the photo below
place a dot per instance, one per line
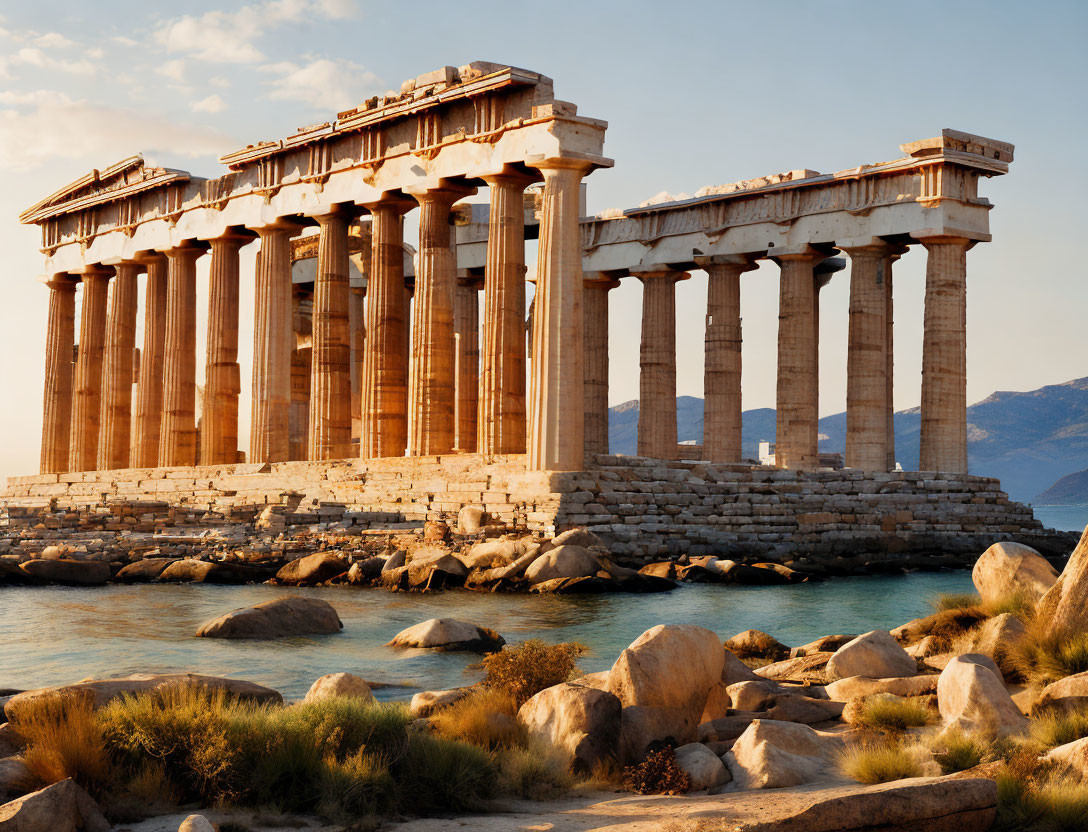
(435, 531)
(579, 537)
(751, 696)
(289, 616)
(312, 569)
(995, 636)
(756, 643)
(971, 696)
(926, 647)
(875, 654)
(854, 687)
(61, 807)
(1065, 605)
(15, 777)
(339, 684)
(775, 755)
(1068, 694)
(1072, 754)
(808, 668)
(734, 670)
(516, 569)
(582, 722)
(791, 707)
(142, 571)
(197, 823)
(64, 571)
(824, 644)
(565, 561)
(427, 702)
(470, 519)
(192, 570)
(1008, 570)
(395, 561)
(725, 729)
(11, 741)
(366, 571)
(449, 634)
(703, 766)
(491, 554)
(431, 564)
(101, 691)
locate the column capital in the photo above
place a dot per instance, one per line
(873, 246)
(447, 193)
(188, 249)
(150, 258)
(799, 253)
(390, 201)
(600, 279)
(653, 271)
(96, 270)
(927, 240)
(279, 225)
(470, 281)
(511, 177)
(583, 163)
(746, 262)
(339, 211)
(62, 282)
(238, 237)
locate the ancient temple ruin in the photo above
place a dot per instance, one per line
(380, 388)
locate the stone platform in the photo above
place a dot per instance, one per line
(642, 508)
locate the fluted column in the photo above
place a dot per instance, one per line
(943, 440)
(177, 434)
(87, 400)
(115, 431)
(890, 257)
(657, 363)
(385, 365)
(59, 372)
(722, 368)
(330, 372)
(222, 375)
(502, 370)
(357, 327)
(595, 346)
(556, 439)
(466, 332)
(796, 442)
(147, 418)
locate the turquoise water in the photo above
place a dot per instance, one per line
(53, 635)
(1062, 518)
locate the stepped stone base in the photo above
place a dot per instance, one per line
(643, 508)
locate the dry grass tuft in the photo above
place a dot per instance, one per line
(1046, 655)
(879, 762)
(948, 601)
(887, 713)
(528, 668)
(1056, 727)
(1036, 795)
(64, 739)
(487, 717)
(956, 750)
(536, 772)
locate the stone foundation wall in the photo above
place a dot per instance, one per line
(642, 508)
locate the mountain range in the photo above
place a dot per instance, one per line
(1028, 440)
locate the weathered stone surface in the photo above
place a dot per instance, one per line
(427, 702)
(972, 697)
(734, 670)
(810, 668)
(448, 634)
(365, 571)
(774, 755)
(791, 707)
(853, 687)
(703, 766)
(1008, 570)
(726, 728)
(824, 644)
(79, 572)
(142, 571)
(751, 696)
(339, 684)
(432, 562)
(582, 722)
(875, 654)
(566, 561)
(756, 643)
(289, 616)
(312, 569)
(61, 807)
(1070, 693)
(11, 741)
(996, 636)
(470, 519)
(1065, 605)
(15, 777)
(101, 691)
(190, 570)
(196, 823)
(1073, 754)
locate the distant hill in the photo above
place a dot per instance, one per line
(1070, 490)
(1028, 440)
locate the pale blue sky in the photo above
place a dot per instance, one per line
(695, 93)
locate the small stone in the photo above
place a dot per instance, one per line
(449, 634)
(339, 684)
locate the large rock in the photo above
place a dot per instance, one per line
(810, 668)
(875, 654)
(312, 569)
(854, 687)
(971, 696)
(366, 571)
(566, 561)
(290, 616)
(192, 570)
(756, 643)
(734, 670)
(1073, 754)
(142, 571)
(339, 684)
(996, 636)
(703, 766)
(197, 823)
(663, 680)
(1068, 694)
(431, 564)
(101, 691)
(427, 702)
(1065, 605)
(1008, 570)
(15, 777)
(751, 696)
(449, 634)
(75, 572)
(61, 807)
(824, 644)
(790, 707)
(774, 755)
(580, 721)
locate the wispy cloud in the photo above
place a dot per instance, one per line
(211, 104)
(323, 83)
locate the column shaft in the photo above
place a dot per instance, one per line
(147, 419)
(502, 372)
(722, 370)
(943, 441)
(796, 443)
(115, 432)
(330, 378)
(595, 325)
(657, 367)
(222, 382)
(357, 326)
(466, 326)
(177, 434)
(889, 371)
(385, 366)
(87, 401)
(59, 372)
(867, 361)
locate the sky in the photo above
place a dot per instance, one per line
(695, 93)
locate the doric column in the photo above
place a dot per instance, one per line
(385, 365)
(177, 435)
(657, 363)
(890, 257)
(556, 413)
(722, 368)
(147, 419)
(595, 346)
(330, 372)
(222, 375)
(60, 338)
(796, 444)
(117, 371)
(87, 401)
(501, 427)
(357, 327)
(943, 440)
(466, 332)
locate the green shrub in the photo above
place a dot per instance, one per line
(64, 740)
(536, 772)
(1056, 727)
(487, 717)
(528, 668)
(879, 762)
(888, 713)
(358, 786)
(955, 750)
(437, 774)
(947, 601)
(659, 773)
